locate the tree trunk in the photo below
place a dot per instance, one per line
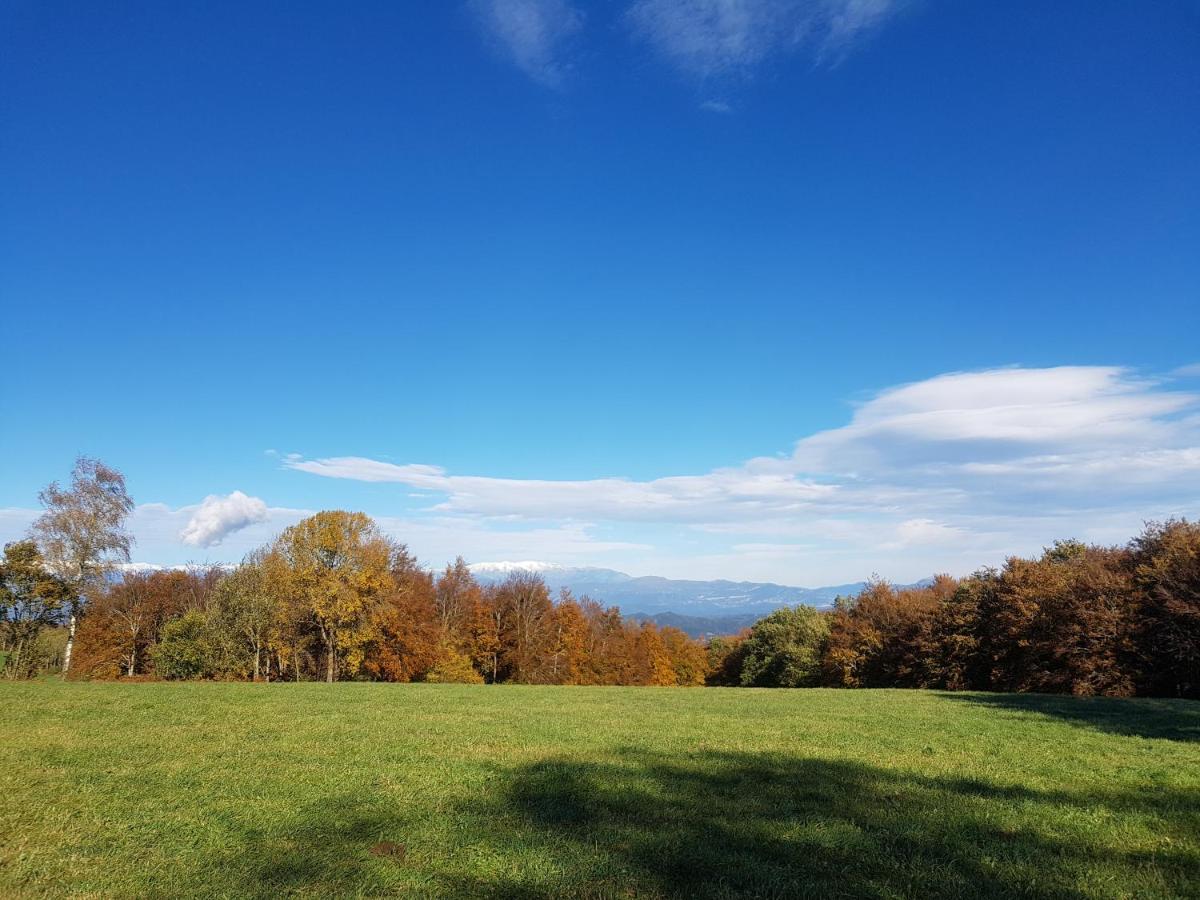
(132, 660)
(14, 660)
(329, 661)
(70, 642)
(257, 654)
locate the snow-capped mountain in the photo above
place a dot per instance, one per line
(145, 568)
(503, 569)
(556, 576)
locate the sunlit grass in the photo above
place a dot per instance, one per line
(429, 790)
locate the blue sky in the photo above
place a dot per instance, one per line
(792, 291)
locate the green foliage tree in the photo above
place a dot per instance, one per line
(243, 616)
(725, 656)
(784, 649)
(30, 600)
(185, 649)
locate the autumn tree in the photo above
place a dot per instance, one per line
(1064, 623)
(486, 642)
(453, 667)
(525, 619)
(1166, 566)
(457, 599)
(953, 643)
(689, 657)
(133, 606)
(337, 564)
(874, 637)
(30, 600)
(608, 646)
(82, 533)
(568, 659)
(651, 661)
(405, 624)
(125, 619)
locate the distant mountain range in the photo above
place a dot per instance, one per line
(701, 608)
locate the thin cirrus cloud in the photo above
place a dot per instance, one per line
(983, 461)
(218, 517)
(705, 39)
(710, 39)
(534, 35)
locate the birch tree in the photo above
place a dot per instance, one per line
(82, 533)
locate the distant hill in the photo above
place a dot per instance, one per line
(725, 602)
(701, 626)
(700, 608)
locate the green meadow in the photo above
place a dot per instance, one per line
(267, 790)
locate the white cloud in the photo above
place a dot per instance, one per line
(947, 473)
(950, 443)
(676, 498)
(1002, 409)
(15, 522)
(917, 532)
(439, 539)
(218, 517)
(715, 38)
(943, 474)
(157, 530)
(534, 35)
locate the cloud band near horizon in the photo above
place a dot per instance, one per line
(944, 474)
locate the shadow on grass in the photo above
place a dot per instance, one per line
(1175, 720)
(322, 849)
(746, 825)
(722, 825)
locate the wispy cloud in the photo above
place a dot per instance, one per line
(942, 474)
(964, 466)
(717, 38)
(534, 35)
(440, 538)
(937, 442)
(675, 498)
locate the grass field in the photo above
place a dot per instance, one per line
(173, 790)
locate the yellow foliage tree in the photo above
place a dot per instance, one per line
(335, 566)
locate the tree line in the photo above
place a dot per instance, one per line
(1084, 620)
(331, 598)
(334, 598)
